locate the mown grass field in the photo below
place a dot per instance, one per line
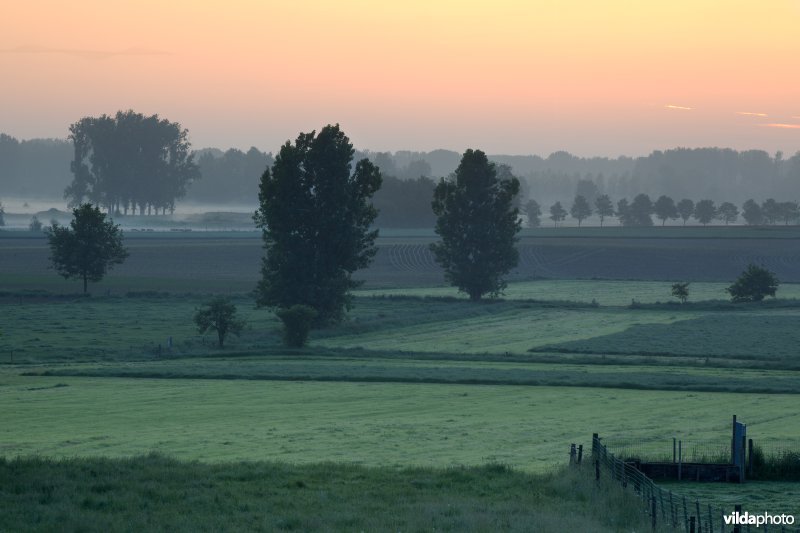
(417, 376)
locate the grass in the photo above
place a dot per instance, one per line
(754, 496)
(155, 493)
(375, 424)
(603, 292)
(416, 378)
(359, 367)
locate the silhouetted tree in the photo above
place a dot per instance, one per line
(681, 291)
(728, 212)
(705, 211)
(685, 209)
(219, 314)
(316, 220)
(580, 209)
(88, 248)
(35, 224)
(478, 226)
(624, 213)
(789, 211)
(557, 213)
(665, 209)
(604, 208)
(771, 211)
(752, 213)
(534, 212)
(753, 285)
(640, 211)
(129, 161)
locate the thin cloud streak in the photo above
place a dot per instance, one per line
(680, 107)
(84, 54)
(751, 114)
(784, 126)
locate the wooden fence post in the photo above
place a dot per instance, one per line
(691, 525)
(653, 512)
(737, 509)
(580, 453)
(699, 521)
(572, 453)
(750, 457)
(710, 520)
(597, 469)
(685, 514)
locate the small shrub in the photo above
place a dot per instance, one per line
(219, 315)
(681, 291)
(297, 321)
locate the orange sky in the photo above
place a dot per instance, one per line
(590, 77)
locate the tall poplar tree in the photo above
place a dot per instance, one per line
(478, 226)
(316, 219)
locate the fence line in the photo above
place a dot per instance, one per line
(665, 508)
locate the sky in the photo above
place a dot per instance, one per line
(509, 77)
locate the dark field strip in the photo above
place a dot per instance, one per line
(154, 493)
(220, 262)
(401, 371)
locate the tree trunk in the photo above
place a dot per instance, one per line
(85, 282)
(221, 337)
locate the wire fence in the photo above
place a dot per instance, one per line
(668, 510)
(671, 450)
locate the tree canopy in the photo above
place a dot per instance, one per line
(752, 213)
(580, 209)
(753, 285)
(557, 213)
(129, 161)
(665, 209)
(685, 209)
(219, 314)
(478, 225)
(88, 248)
(705, 211)
(316, 217)
(603, 207)
(534, 212)
(728, 212)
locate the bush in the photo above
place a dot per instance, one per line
(297, 321)
(753, 284)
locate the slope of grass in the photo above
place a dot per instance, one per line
(154, 493)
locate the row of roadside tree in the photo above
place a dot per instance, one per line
(640, 211)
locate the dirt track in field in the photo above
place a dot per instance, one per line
(408, 262)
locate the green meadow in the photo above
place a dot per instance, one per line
(416, 383)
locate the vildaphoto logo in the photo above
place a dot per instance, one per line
(758, 520)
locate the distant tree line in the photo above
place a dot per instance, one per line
(640, 211)
(42, 168)
(228, 177)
